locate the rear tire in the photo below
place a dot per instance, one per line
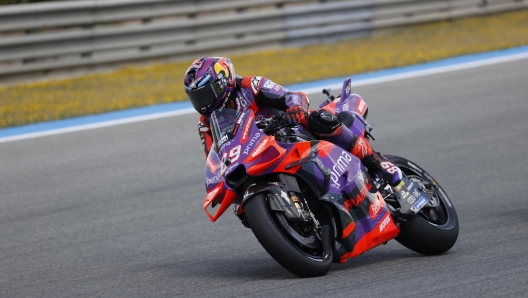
(434, 230)
(283, 249)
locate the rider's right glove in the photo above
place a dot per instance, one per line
(297, 115)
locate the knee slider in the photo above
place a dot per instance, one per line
(323, 121)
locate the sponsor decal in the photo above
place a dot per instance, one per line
(255, 84)
(375, 206)
(251, 143)
(242, 102)
(361, 106)
(213, 192)
(404, 194)
(399, 186)
(384, 223)
(363, 146)
(231, 167)
(240, 118)
(197, 64)
(223, 70)
(285, 196)
(340, 167)
(411, 199)
(247, 128)
(360, 197)
(414, 166)
(416, 193)
(277, 88)
(222, 140)
(211, 165)
(260, 148)
(269, 84)
(213, 180)
(247, 194)
(296, 99)
(410, 186)
(419, 205)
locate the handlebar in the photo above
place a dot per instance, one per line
(273, 124)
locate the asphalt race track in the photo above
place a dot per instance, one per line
(117, 211)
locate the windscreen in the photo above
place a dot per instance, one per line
(223, 125)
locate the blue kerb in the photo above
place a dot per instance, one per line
(92, 119)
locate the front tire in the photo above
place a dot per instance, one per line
(434, 230)
(288, 252)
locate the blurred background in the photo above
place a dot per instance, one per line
(61, 59)
(118, 211)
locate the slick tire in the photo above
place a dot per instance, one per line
(278, 246)
(419, 234)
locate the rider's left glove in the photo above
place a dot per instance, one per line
(297, 115)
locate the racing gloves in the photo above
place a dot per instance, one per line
(297, 115)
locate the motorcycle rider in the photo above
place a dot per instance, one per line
(211, 83)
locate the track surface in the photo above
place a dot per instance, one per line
(116, 211)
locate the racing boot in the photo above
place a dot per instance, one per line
(375, 162)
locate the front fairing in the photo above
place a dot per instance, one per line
(235, 138)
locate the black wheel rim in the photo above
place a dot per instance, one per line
(311, 246)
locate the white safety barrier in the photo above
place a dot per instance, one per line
(44, 37)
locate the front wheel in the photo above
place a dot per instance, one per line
(300, 253)
(434, 230)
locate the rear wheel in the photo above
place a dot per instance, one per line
(298, 249)
(434, 230)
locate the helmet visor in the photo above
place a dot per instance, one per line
(206, 95)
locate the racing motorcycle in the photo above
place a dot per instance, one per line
(311, 203)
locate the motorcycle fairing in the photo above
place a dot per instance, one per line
(336, 175)
(360, 206)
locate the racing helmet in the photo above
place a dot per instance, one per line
(208, 82)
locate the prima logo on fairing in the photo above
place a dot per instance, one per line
(340, 167)
(251, 143)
